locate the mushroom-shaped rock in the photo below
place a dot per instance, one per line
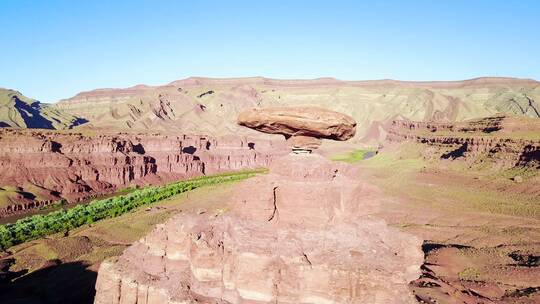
(300, 121)
(303, 234)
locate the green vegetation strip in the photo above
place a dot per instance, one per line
(354, 156)
(37, 226)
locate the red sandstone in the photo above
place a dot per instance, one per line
(307, 236)
(51, 165)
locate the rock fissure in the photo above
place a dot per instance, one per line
(274, 202)
(307, 259)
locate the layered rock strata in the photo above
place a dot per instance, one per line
(40, 167)
(299, 121)
(205, 105)
(303, 126)
(302, 234)
(500, 141)
(306, 236)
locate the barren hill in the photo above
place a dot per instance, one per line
(18, 111)
(210, 106)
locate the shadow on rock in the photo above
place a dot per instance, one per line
(56, 283)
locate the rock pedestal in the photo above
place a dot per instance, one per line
(304, 233)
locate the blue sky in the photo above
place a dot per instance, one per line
(55, 49)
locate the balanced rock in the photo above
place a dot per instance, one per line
(306, 233)
(300, 121)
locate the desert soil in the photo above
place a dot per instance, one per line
(481, 231)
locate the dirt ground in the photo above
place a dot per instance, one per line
(481, 231)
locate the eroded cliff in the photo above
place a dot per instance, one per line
(304, 233)
(499, 142)
(39, 167)
(306, 236)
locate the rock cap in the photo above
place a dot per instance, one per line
(300, 121)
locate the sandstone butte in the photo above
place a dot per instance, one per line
(308, 234)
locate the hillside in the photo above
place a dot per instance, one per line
(458, 169)
(210, 106)
(19, 111)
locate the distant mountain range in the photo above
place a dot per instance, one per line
(210, 106)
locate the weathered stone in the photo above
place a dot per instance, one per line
(76, 166)
(302, 234)
(306, 236)
(304, 142)
(497, 142)
(300, 121)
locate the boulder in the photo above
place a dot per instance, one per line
(303, 120)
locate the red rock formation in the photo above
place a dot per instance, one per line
(51, 165)
(304, 142)
(300, 121)
(307, 236)
(501, 141)
(302, 234)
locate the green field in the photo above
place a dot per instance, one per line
(354, 156)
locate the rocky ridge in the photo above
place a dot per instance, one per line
(19, 111)
(205, 105)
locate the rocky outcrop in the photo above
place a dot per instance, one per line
(304, 142)
(307, 236)
(500, 141)
(305, 233)
(300, 121)
(48, 166)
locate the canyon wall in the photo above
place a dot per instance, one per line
(500, 142)
(39, 167)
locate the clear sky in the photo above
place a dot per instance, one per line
(55, 49)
